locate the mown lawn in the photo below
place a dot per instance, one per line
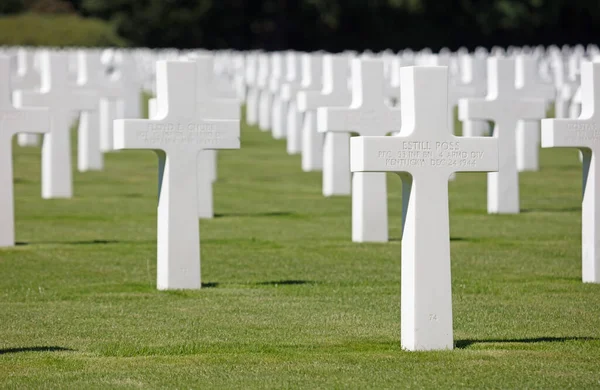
(289, 300)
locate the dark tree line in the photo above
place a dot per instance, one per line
(336, 25)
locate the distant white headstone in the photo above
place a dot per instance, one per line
(62, 98)
(425, 154)
(27, 78)
(312, 140)
(584, 134)
(293, 120)
(13, 121)
(336, 146)
(278, 73)
(178, 135)
(210, 107)
(265, 97)
(251, 73)
(529, 85)
(367, 115)
(505, 106)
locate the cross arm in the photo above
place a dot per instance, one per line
(309, 100)
(30, 99)
(333, 119)
(533, 109)
(27, 120)
(469, 109)
(288, 91)
(471, 154)
(374, 154)
(569, 133)
(138, 134)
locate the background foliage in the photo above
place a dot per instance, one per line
(335, 25)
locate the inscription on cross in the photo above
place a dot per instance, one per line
(178, 134)
(13, 121)
(367, 115)
(584, 134)
(425, 153)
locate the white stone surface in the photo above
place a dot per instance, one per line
(367, 115)
(584, 134)
(530, 85)
(178, 135)
(210, 107)
(13, 121)
(312, 140)
(251, 70)
(425, 153)
(336, 146)
(506, 107)
(62, 98)
(265, 97)
(293, 119)
(27, 78)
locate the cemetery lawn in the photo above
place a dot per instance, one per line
(288, 299)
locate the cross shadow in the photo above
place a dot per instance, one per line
(33, 349)
(285, 283)
(264, 214)
(461, 344)
(87, 242)
(549, 210)
(399, 239)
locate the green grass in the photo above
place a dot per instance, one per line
(31, 29)
(289, 301)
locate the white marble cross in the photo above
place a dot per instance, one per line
(473, 83)
(130, 106)
(311, 139)
(178, 134)
(336, 146)
(91, 75)
(367, 115)
(62, 99)
(13, 121)
(425, 153)
(505, 106)
(529, 85)
(265, 96)
(27, 78)
(278, 73)
(251, 78)
(584, 134)
(289, 89)
(210, 107)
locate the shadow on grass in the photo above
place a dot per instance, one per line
(452, 239)
(285, 283)
(550, 210)
(265, 214)
(33, 349)
(84, 242)
(461, 344)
